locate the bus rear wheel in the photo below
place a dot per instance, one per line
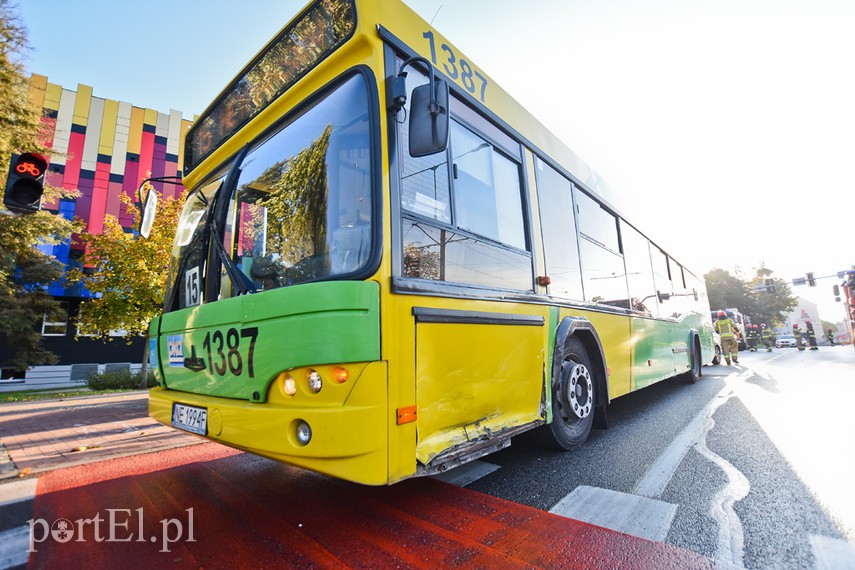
(694, 373)
(573, 400)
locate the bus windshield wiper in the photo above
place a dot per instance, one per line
(238, 278)
(241, 282)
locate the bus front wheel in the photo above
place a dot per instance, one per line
(573, 400)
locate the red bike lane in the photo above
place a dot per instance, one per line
(207, 506)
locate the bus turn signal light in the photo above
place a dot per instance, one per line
(340, 374)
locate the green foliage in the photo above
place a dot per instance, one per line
(761, 306)
(118, 380)
(130, 272)
(24, 270)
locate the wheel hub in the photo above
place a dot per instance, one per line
(576, 395)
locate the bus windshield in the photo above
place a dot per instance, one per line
(302, 207)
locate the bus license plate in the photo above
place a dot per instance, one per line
(190, 418)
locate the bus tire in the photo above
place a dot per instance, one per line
(694, 373)
(573, 400)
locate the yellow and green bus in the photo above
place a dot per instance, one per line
(385, 267)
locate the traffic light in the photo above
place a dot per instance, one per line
(25, 184)
(770, 286)
(811, 280)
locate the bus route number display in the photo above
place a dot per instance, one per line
(457, 69)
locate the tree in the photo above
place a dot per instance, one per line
(751, 297)
(727, 291)
(129, 277)
(24, 270)
(770, 307)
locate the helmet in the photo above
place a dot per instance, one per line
(795, 325)
(763, 326)
(722, 314)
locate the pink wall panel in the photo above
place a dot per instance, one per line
(71, 180)
(114, 191)
(99, 198)
(170, 190)
(146, 156)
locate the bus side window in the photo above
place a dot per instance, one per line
(486, 189)
(558, 224)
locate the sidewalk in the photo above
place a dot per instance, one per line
(44, 435)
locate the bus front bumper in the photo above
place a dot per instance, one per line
(347, 441)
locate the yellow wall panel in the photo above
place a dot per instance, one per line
(108, 127)
(53, 94)
(135, 136)
(82, 104)
(38, 86)
(150, 117)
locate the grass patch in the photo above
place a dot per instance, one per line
(43, 394)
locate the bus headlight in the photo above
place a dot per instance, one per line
(315, 381)
(304, 433)
(289, 385)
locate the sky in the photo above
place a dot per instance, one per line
(725, 129)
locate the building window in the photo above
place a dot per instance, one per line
(56, 324)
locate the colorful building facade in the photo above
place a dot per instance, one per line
(103, 148)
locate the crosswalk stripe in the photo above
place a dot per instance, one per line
(630, 514)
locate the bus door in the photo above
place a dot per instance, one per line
(478, 374)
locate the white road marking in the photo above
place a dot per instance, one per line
(659, 475)
(14, 544)
(730, 548)
(467, 473)
(832, 553)
(629, 514)
(731, 540)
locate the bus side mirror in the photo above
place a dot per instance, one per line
(148, 212)
(428, 111)
(429, 119)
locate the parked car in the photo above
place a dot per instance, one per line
(717, 339)
(786, 340)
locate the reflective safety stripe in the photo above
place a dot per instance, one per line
(724, 328)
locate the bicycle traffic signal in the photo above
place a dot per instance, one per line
(25, 184)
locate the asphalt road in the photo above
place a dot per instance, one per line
(760, 460)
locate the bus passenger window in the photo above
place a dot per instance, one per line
(424, 180)
(486, 189)
(558, 224)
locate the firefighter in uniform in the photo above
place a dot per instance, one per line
(752, 337)
(766, 337)
(829, 334)
(798, 334)
(811, 336)
(728, 331)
